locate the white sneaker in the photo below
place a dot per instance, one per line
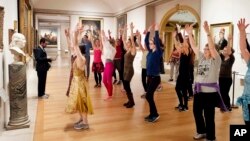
(199, 136)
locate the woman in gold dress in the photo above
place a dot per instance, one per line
(79, 100)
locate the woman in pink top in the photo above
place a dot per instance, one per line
(97, 66)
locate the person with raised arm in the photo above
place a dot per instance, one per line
(207, 95)
(72, 57)
(244, 99)
(97, 66)
(128, 66)
(143, 63)
(225, 78)
(153, 70)
(109, 54)
(183, 78)
(79, 99)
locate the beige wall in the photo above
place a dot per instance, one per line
(10, 8)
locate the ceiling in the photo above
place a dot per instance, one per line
(96, 6)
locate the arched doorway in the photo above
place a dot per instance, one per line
(182, 15)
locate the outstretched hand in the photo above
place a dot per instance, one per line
(189, 29)
(242, 25)
(206, 27)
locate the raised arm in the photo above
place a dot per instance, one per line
(189, 30)
(147, 37)
(211, 45)
(138, 34)
(157, 38)
(69, 41)
(243, 46)
(124, 38)
(177, 44)
(133, 49)
(77, 40)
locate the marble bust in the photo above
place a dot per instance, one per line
(18, 42)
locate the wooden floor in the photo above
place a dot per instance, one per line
(111, 121)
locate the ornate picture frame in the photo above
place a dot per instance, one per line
(216, 28)
(92, 23)
(50, 34)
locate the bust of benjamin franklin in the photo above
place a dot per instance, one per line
(17, 43)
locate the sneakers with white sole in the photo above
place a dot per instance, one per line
(199, 136)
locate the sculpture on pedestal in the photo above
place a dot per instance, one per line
(17, 85)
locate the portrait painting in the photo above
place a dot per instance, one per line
(92, 25)
(221, 30)
(50, 34)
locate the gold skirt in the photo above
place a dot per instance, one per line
(79, 99)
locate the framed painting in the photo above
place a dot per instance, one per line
(92, 25)
(50, 34)
(121, 22)
(220, 31)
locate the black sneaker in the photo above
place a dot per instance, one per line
(153, 119)
(183, 109)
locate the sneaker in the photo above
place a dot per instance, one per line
(99, 85)
(153, 119)
(78, 122)
(114, 81)
(183, 109)
(159, 88)
(125, 104)
(199, 136)
(81, 126)
(178, 107)
(96, 86)
(171, 80)
(44, 96)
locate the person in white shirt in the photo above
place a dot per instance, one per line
(109, 52)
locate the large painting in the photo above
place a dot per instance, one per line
(221, 29)
(121, 22)
(50, 34)
(92, 25)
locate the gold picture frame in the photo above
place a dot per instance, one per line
(95, 23)
(216, 28)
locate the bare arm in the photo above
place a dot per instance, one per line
(243, 46)
(81, 59)
(124, 37)
(189, 30)
(133, 49)
(138, 34)
(69, 41)
(211, 45)
(177, 44)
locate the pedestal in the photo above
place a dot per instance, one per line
(18, 97)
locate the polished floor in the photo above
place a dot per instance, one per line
(111, 121)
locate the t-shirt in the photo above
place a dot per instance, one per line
(226, 66)
(108, 50)
(208, 71)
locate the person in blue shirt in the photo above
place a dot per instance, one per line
(244, 100)
(87, 44)
(153, 70)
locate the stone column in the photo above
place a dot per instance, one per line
(18, 97)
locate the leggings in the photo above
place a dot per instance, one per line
(98, 77)
(107, 77)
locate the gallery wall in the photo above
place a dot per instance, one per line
(222, 11)
(10, 8)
